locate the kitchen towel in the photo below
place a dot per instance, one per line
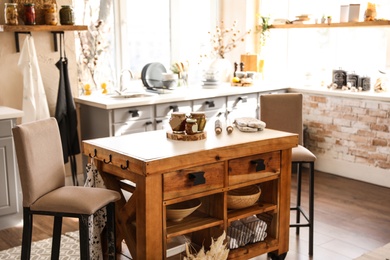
(35, 105)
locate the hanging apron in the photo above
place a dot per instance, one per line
(66, 114)
(35, 105)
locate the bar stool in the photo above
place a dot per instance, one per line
(42, 175)
(284, 112)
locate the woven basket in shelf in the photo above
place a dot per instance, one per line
(243, 197)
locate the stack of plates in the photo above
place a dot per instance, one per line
(210, 83)
(151, 75)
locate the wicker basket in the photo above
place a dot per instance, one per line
(243, 197)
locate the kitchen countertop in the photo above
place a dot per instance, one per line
(7, 113)
(190, 93)
(194, 93)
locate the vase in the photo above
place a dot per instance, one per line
(223, 68)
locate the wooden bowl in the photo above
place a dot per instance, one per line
(243, 197)
(177, 212)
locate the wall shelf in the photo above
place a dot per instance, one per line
(332, 25)
(27, 29)
(41, 28)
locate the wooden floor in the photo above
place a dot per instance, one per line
(351, 218)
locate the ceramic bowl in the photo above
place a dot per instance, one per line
(172, 83)
(240, 74)
(177, 212)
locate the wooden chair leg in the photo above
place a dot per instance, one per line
(56, 242)
(111, 232)
(27, 233)
(84, 237)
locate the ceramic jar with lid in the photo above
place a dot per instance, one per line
(200, 119)
(11, 14)
(178, 121)
(191, 126)
(66, 15)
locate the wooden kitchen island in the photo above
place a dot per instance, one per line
(161, 172)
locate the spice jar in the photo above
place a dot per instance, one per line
(66, 15)
(191, 126)
(11, 14)
(51, 14)
(178, 121)
(200, 119)
(29, 14)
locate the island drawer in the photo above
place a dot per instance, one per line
(132, 113)
(193, 180)
(254, 167)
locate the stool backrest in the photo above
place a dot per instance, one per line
(39, 154)
(283, 112)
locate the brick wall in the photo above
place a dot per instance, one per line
(348, 129)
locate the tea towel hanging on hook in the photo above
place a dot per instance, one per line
(96, 222)
(35, 105)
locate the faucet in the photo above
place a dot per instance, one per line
(120, 79)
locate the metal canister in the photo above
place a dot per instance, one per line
(191, 126)
(353, 79)
(29, 14)
(200, 119)
(11, 13)
(365, 83)
(51, 14)
(66, 15)
(340, 78)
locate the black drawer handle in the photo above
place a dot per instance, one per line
(174, 108)
(260, 166)
(243, 99)
(134, 113)
(210, 103)
(197, 178)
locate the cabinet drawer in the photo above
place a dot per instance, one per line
(193, 180)
(5, 128)
(243, 105)
(209, 104)
(133, 127)
(254, 167)
(165, 110)
(132, 113)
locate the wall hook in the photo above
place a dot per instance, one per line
(94, 155)
(127, 165)
(107, 162)
(17, 45)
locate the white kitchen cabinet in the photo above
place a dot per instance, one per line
(245, 105)
(10, 199)
(164, 111)
(210, 106)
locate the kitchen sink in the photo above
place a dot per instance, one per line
(133, 95)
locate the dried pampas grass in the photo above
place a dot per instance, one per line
(218, 251)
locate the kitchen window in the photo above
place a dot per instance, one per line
(140, 32)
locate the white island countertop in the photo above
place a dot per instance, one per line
(7, 113)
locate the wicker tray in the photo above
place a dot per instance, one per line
(39, 9)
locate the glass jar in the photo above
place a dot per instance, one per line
(66, 15)
(11, 14)
(191, 126)
(29, 14)
(200, 119)
(178, 121)
(51, 14)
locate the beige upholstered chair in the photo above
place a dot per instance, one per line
(42, 175)
(284, 112)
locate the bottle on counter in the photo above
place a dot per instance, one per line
(51, 17)
(11, 14)
(200, 119)
(66, 15)
(29, 14)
